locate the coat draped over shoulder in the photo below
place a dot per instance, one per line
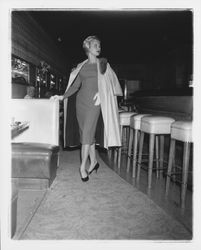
(108, 88)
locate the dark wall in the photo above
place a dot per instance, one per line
(173, 69)
(169, 66)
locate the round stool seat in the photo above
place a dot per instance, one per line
(182, 131)
(156, 124)
(125, 118)
(136, 121)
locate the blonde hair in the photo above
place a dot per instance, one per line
(87, 42)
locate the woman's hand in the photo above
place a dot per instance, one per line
(57, 97)
(97, 99)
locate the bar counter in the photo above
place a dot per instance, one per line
(176, 103)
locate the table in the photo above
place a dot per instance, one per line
(18, 128)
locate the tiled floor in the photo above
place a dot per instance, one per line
(171, 204)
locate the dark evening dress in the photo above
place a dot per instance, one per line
(86, 83)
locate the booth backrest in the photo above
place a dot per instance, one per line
(43, 118)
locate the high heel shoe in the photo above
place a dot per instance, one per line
(95, 168)
(84, 179)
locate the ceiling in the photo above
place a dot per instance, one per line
(126, 36)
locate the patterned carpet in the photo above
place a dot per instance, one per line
(105, 207)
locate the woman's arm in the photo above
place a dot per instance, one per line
(73, 88)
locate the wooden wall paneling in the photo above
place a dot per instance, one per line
(30, 42)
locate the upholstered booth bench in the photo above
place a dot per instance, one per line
(35, 157)
(35, 152)
(35, 164)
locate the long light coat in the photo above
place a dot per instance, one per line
(108, 88)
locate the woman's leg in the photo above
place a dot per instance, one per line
(84, 156)
(92, 155)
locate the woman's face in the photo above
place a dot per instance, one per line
(94, 48)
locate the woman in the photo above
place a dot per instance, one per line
(97, 87)
(30, 92)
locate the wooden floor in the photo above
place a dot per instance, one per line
(171, 204)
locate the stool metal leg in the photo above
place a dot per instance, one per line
(161, 155)
(127, 133)
(120, 148)
(157, 157)
(140, 155)
(186, 157)
(170, 161)
(116, 150)
(129, 149)
(174, 169)
(151, 157)
(109, 153)
(135, 146)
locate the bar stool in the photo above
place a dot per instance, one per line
(135, 125)
(180, 131)
(154, 126)
(124, 124)
(110, 150)
(120, 110)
